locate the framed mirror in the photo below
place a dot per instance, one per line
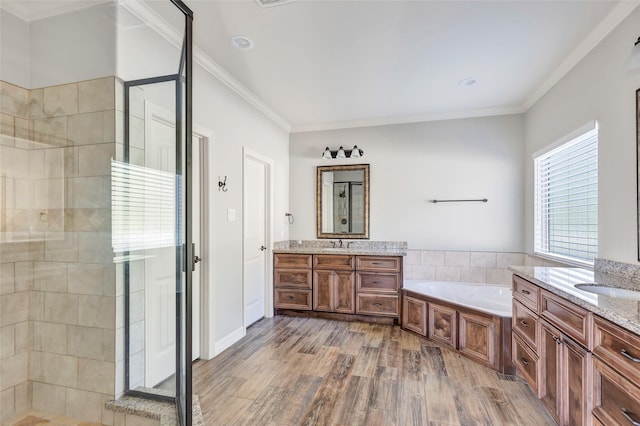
(342, 201)
(638, 163)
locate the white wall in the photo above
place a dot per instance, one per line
(414, 163)
(15, 66)
(599, 88)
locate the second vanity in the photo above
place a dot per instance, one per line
(361, 280)
(579, 351)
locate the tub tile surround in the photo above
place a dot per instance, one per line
(57, 278)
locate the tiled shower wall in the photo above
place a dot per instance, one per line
(58, 283)
(467, 266)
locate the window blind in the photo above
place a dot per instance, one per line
(143, 205)
(566, 200)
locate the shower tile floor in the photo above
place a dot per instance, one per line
(36, 418)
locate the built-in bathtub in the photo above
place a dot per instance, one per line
(474, 319)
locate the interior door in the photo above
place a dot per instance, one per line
(255, 241)
(196, 203)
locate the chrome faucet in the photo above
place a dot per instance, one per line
(340, 242)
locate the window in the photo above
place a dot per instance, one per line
(566, 198)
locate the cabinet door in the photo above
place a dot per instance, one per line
(414, 315)
(478, 338)
(322, 291)
(550, 365)
(577, 378)
(442, 324)
(344, 292)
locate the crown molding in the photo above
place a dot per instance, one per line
(486, 112)
(603, 29)
(168, 32)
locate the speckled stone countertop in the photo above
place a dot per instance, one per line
(164, 412)
(350, 247)
(562, 281)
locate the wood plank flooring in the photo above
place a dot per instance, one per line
(306, 371)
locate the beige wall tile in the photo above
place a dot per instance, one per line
(50, 337)
(24, 276)
(23, 332)
(97, 311)
(50, 276)
(49, 398)
(119, 94)
(14, 370)
(447, 273)
(7, 126)
(96, 376)
(109, 345)
(84, 405)
(430, 257)
(15, 308)
(119, 127)
(13, 161)
(23, 396)
(86, 342)
(7, 405)
(86, 129)
(13, 99)
(96, 95)
(36, 306)
(7, 278)
(36, 103)
(90, 278)
(119, 419)
(505, 260)
(61, 100)
(90, 220)
(95, 160)
(88, 192)
(24, 134)
(473, 275)
(61, 247)
(7, 342)
(61, 308)
(456, 258)
(95, 247)
(109, 126)
(498, 276)
(71, 160)
(54, 163)
(422, 272)
(54, 369)
(412, 257)
(51, 131)
(478, 259)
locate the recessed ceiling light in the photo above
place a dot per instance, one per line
(241, 42)
(466, 82)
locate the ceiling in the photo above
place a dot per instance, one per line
(325, 64)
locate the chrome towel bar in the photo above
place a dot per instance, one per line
(484, 200)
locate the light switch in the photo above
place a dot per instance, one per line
(231, 215)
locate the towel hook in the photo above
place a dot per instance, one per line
(222, 185)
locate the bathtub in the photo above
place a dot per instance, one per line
(492, 299)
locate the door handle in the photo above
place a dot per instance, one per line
(262, 248)
(197, 259)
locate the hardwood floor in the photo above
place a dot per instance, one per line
(307, 371)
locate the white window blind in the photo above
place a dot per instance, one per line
(143, 205)
(566, 200)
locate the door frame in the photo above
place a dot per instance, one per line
(206, 247)
(248, 153)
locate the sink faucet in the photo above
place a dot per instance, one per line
(340, 242)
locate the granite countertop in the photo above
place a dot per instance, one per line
(562, 281)
(353, 248)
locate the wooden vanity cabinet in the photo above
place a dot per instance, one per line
(333, 284)
(378, 282)
(292, 279)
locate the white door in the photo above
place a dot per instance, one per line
(255, 239)
(160, 264)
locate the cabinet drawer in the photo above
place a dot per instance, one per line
(334, 262)
(525, 323)
(377, 304)
(377, 282)
(571, 319)
(526, 293)
(299, 261)
(616, 400)
(526, 362)
(379, 263)
(292, 299)
(617, 347)
(300, 278)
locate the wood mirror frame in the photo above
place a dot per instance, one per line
(364, 233)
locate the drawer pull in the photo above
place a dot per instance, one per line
(291, 298)
(524, 361)
(523, 291)
(524, 323)
(627, 415)
(376, 263)
(627, 355)
(377, 305)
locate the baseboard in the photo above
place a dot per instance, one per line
(220, 345)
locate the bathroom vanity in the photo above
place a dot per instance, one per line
(359, 282)
(580, 352)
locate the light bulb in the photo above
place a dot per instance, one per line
(355, 153)
(341, 153)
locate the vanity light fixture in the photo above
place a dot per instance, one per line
(634, 59)
(342, 153)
